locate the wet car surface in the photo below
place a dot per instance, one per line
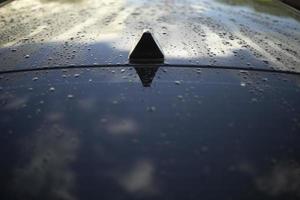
(261, 34)
(98, 133)
(220, 119)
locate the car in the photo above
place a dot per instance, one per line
(203, 104)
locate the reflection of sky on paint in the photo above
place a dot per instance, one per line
(87, 104)
(122, 127)
(46, 173)
(131, 151)
(281, 179)
(139, 179)
(176, 142)
(13, 102)
(55, 116)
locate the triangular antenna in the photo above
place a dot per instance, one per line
(146, 50)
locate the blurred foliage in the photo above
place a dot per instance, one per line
(265, 6)
(1, 1)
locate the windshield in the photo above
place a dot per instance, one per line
(250, 33)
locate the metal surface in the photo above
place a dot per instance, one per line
(195, 134)
(250, 33)
(95, 132)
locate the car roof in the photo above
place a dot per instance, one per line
(98, 133)
(219, 119)
(256, 34)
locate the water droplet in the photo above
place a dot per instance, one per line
(52, 89)
(243, 84)
(254, 99)
(103, 120)
(177, 82)
(180, 97)
(27, 56)
(265, 61)
(243, 72)
(204, 148)
(76, 75)
(35, 78)
(70, 96)
(151, 109)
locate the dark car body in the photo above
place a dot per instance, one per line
(219, 119)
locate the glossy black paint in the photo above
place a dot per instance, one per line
(134, 132)
(194, 134)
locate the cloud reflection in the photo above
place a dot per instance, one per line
(14, 103)
(282, 179)
(46, 173)
(139, 179)
(87, 104)
(122, 127)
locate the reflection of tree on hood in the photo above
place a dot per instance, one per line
(263, 6)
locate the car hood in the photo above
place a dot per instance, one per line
(41, 33)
